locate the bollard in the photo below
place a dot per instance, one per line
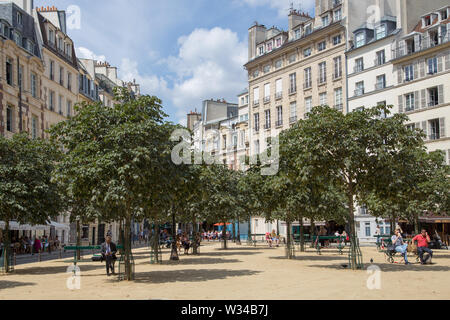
(39, 256)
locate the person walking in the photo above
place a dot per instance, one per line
(109, 250)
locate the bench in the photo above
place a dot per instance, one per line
(341, 242)
(252, 240)
(391, 254)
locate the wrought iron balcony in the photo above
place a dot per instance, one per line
(278, 95)
(267, 99)
(279, 123)
(292, 90)
(293, 119)
(307, 85)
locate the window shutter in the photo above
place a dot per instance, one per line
(442, 127)
(416, 100)
(400, 104)
(422, 68)
(423, 98)
(441, 94)
(417, 39)
(440, 63)
(447, 61)
(424, 129)
(400, 75)
(416, 70)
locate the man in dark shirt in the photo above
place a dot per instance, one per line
(109, 251)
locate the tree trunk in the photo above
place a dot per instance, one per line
(355, 254)
(6, 248)
(224, 236)
(127, 247)
(392, 225)
(234, 232)
(416, 224)
(78, 240)
(302, 236)
(195, 238)
(238, 240)
(289, 240)
(174, 253)
(249, 233)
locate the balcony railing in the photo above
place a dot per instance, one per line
(433, 103)
(380, 86)
(279, 123)
(278, 95)
(267, 126)
(358, 68)
(379, 61)
(267, 99)
(426, 42)
(321, 80)
(337, 75)
(339, 106)
(292, 90)
(307, 85)
(359, 92)
(256, 103)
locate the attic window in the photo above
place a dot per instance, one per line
(381, 31)
(297, 34)
(360, 39)
(427, 21)
(444, 15)
(19, 18)
(278, 41)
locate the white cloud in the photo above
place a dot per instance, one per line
(85, 53)
(282, 6)
(209, 64)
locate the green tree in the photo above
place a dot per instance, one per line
(27, 193)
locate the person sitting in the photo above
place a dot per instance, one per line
(186, 244)
(269, 239)
(423, 240)
(399, 245)
(275, 238)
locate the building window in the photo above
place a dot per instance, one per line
(381, 58)
(308, 78)
(268, 122)
(409, 73)
(261, 50)
(293, 112)
(266, 69)
(359, 88)
(432, 65)
(269, 46)
(267, 92)
(256, 116)
(52, 70)
(69, 108)
(61, 76)
(255, 73)
(19, 18)
(368, 231)
(256, 96)
(444, 15)
(278, 64)
(322, 72)
(9, 120)
(435, 129)
(292, 83)
(433, 97)
(34, 127)
(381, 82)
(338, 99)
(381, 31)
(323, 99)
(359, 65)
(308, 105)
(324, 21)
(20, 77)
(61, 105)
(279, 116)
(257, 150)
(337, 67)
(279, 89)
(322, 46)
(69, 81)
(292, 58)
(9, 72)
(307, 52)
(297, 34)
(338, 14)
(51, 37)
(33, 85)
(17, 38)
(52, 101)
(360, 39)
(278, 42)
(410, 102)
(337, 39)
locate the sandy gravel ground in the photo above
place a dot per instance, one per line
(242, 272)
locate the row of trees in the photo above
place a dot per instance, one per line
(115, 164)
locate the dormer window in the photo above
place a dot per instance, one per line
(427, 20)
(261, 50)
(307, 52)
(19, 18)
(360, 39)
(297, 33)
(324, 21)
(269, 46)
(255, 73)
(381, 31)
(444, 15)
(266, 69)
(278, 42)
(17, 38)
(338, 14)
(51, 36)
(30, 46)
(308, 29)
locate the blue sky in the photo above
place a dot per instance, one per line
(183, 51)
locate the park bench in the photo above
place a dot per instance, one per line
(381, 239)
(253, 238)
(391, 254)
(341, 241)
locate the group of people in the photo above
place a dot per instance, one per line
(27, 245)
(214, 235)
(272, 238)
(422, 240)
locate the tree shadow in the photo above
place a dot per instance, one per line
(56, 269)
(190, 275)
(388, 267)
(314, 258)
(14, 284)
(222, 253)
(204, 260)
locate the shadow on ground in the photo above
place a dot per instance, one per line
(314, 258)
(190, 275)
(388, 267)
(14, 284)
(203, 260)
(56, 269)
